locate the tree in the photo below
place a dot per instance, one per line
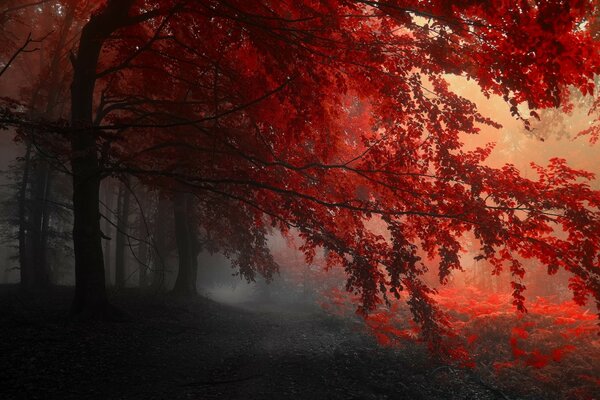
(321, 116)
(90, 294)
(161, 248)
(123, 212)
(42, 87)
(188, 247)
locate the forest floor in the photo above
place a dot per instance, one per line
(200, 349)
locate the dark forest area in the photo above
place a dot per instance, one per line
(316, 199)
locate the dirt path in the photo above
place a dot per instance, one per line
(206, 350)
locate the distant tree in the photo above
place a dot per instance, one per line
(160, 235)
(43, 243)
(122, 242)
(46, 27)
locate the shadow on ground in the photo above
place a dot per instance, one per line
(205, 350)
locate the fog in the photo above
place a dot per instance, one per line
(555, 135)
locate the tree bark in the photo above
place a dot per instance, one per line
(46, 225)
(107, 229)
(186, 238)
(25, 268)
(39, 224)
(161, 222)
(122, 231)
(143, 258)
(194, 240)
(144, 234)
(90, 293)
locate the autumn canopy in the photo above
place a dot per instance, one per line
(326, 118)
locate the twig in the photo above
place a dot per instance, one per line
(22, 49)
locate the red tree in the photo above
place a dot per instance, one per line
(321, 115)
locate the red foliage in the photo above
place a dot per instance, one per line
(327, 116)
(228, 118)
(487, 332)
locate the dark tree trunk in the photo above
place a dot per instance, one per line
(46, 225)
(143, 270)
(108, 229)
(144, 234)
(39, 224)
(122, 232)
(90, 292)
(161, 222)
(185, 235)
(194, 239)
(25, 266)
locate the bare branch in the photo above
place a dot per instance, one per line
(22, 49)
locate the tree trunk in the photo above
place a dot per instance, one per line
(143, 259)
(90, 293)
(185, 235)
(25, 268)
(46, 224)
(39, 224)
(122, 232)
(144, 235)
(161, 222)
(107, 229)
(194, 239)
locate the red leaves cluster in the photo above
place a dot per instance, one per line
(555, 345)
